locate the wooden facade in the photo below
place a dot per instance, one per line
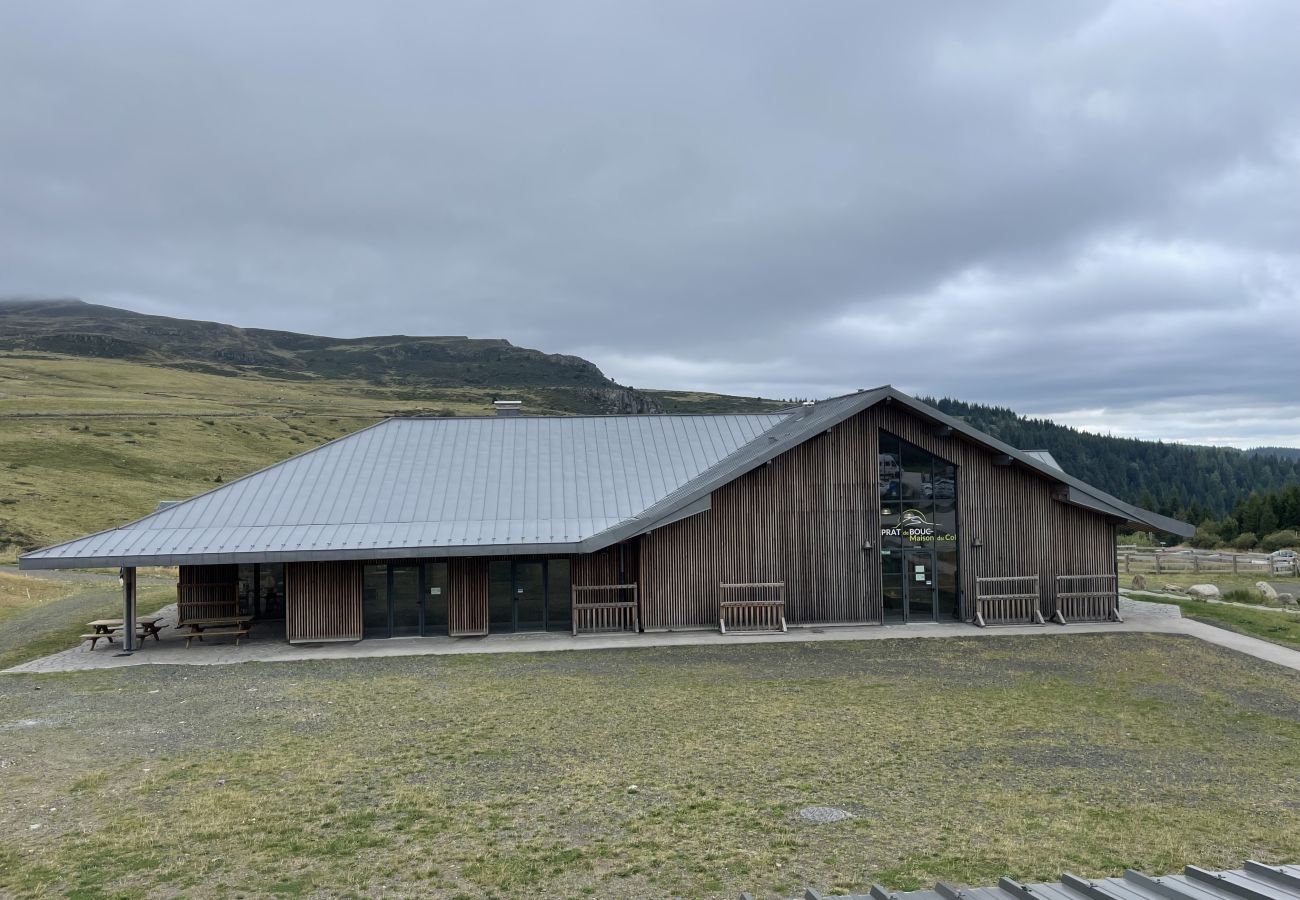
(809, 519)
(806, 518)
(467, 606)
(322, 601)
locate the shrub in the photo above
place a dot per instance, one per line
(1205, 538)
(1245, 541)
(1242, 595)
(1279, 540)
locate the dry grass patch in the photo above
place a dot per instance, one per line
(488, 776)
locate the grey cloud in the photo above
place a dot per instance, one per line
(1061, 207)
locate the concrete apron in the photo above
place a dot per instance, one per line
(221, 652)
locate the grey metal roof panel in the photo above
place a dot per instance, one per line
(1255, 882)
(433, 483)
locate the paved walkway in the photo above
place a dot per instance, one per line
(267, 643)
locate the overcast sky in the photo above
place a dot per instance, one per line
(1084, 210)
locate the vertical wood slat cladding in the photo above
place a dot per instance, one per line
(322, 601)
(467, 606)
(207, 592)
(804, 517)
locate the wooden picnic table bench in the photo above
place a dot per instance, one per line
(218, 626)
(107, 629)
(238, 633)
(197, 626)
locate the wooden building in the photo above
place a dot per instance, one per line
(868, 508)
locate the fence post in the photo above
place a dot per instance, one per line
(1157, 555)
(1234, 564)
(1196, 563)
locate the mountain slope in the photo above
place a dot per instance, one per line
(83, 329)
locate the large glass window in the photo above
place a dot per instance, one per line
(918, 533)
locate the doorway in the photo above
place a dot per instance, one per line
(919, 557)
(404, 600)
(528, 595)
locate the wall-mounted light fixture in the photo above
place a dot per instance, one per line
(866, 545)
(977, 543)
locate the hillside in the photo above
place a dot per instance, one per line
(74, 328)
(1187, 481)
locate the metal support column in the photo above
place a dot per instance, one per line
(128, 610)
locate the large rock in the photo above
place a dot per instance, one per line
(1266, 590)
(1139, 582)
(1203, 592)
(1286, 599)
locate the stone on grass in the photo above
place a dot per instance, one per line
(1286, 599)
(1203, 592)
(1175, 589)
(1266, 590)
(823, 814)
(1139, 582)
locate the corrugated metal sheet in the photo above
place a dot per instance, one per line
(1256, 881)
(431, 487)
(523, 483)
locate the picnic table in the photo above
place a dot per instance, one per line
(221, 626)
(107, 629)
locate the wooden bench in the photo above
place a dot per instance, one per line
(1007, 600)
(1086, 598)
(605, 616)
(237, 633)
(751, 613)
(98, 636)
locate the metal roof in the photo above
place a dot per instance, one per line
(526, 484)
(408, 486)
(1256, 881)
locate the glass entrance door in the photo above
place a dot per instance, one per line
(406, 599)
(919, 584)
(530, 596)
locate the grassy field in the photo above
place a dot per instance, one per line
(494, 776)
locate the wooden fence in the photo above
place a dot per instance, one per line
(1007, 600)
(1129, 561)
(605, 616)
(1086, 598)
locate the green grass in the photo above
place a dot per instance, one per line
(496, 776)
(22, 592)
(1276, 625)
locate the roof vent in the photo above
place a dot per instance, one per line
(507, 407)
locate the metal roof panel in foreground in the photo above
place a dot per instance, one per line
(1255, 881)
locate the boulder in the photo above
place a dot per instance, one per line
(1175, 589)
(1266, 590)
(1286, 599)
(1139, 582)
(1203, 592)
